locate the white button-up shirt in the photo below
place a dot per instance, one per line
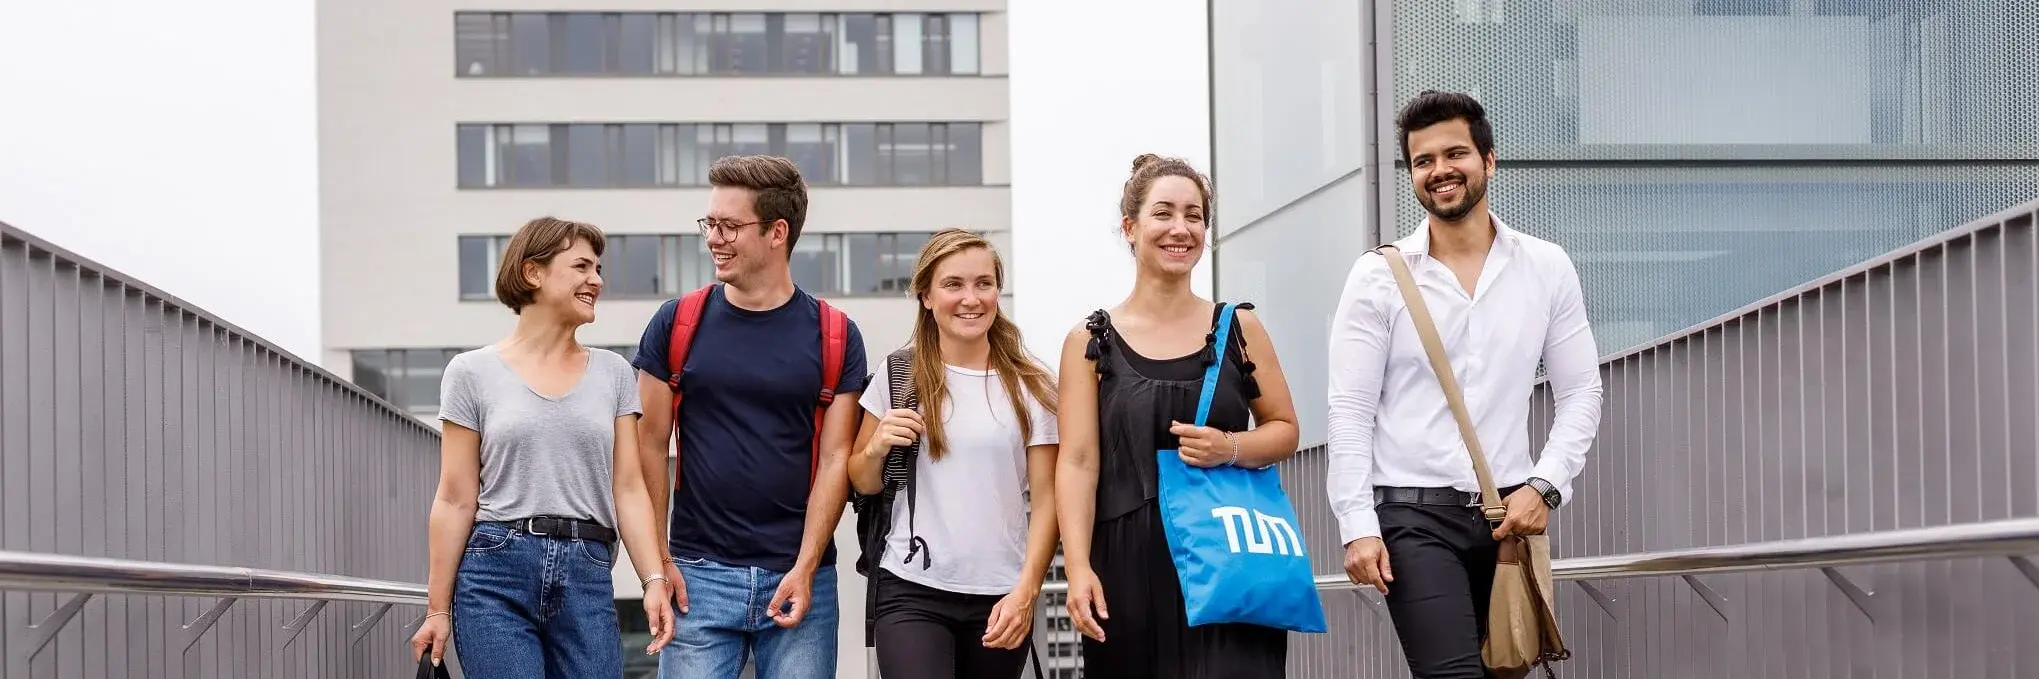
(1389, 423)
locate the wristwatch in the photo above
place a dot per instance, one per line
(1550, 494)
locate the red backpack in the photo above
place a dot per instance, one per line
(687, 319)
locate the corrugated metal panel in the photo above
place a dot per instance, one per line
(133, 425)
(1899, 393)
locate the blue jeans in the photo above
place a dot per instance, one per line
(527, 607)
(726, 621)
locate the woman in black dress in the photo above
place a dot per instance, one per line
(1130, 380)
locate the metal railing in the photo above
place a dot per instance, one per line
(84, 577)
(2014, 538)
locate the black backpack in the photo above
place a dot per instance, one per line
(874, 512)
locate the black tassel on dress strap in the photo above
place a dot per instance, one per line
(1099, 323)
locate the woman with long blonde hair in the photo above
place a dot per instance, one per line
(957, 572)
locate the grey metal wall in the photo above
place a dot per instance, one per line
(133, 425)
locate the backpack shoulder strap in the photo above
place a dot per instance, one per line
(686, 320)
(902, 469)
(835, 338)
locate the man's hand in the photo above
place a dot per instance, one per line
(796, 593)
(1201, 446)
(678, 585)
(1366, 562)
(1527, 514)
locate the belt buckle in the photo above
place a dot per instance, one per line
(531, 526)
(1472, 499)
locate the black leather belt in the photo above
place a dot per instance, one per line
(563, 529)
(1448, 497)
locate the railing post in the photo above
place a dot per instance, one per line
(30, 642)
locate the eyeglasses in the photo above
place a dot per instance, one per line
(728, 230)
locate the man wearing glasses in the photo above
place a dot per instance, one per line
(757, 499)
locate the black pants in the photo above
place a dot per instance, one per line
(927, 633)
(1443, 562)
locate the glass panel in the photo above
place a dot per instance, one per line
(963, 44)
(473, 141)
(857, 48)
(1663, 249)
(630, 268)
(816, 263)
(371, 371)
(417, 378)
(741, 43)
(474, 44)
(909, 154)
(695, 267)
(966, 154)
(807, 147)
(863, 257)
(906, 44)
(898, 262)
(804, 47)
(1587, 79)
(477, 280)
(587, 156)
(531, 40)
(934, 47)
(640, 155)
(860, 154)
(530, 155)
(582, 43)
(637, 43)
(696, 146)
(750, 139)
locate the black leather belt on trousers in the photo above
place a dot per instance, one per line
(564, 529)
(1448, 497)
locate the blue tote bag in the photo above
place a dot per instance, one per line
(1234, 535)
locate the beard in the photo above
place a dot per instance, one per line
(1470, 195)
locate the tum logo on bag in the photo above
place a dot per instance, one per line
(1264, 534)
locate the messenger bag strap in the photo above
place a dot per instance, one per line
(1419, 313)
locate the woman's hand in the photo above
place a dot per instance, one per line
(899, 427)
(1010, 621)
(1085, 593)
(658, 610)
(432, 635)
(1203, 446)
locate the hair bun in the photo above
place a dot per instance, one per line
(1144, 160)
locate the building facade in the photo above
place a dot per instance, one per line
(446, 124)
(1693, 156)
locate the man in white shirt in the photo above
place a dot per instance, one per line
(1401, 481)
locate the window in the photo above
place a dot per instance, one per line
(644, 155)
(584, 44)
(408, 378)
(663, 266)
(480, 258)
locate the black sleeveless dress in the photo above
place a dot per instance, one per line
(1148, 635)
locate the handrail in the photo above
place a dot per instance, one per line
(33, 571)
(2007, 537)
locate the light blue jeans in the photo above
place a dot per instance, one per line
(726, 622)
(530, 607)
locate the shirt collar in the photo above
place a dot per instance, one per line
(1419, 242)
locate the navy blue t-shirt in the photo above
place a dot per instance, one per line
(752, 381)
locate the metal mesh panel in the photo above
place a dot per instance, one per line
(1743, 78)
(1663, 249)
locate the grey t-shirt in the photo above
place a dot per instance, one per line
(541, 456)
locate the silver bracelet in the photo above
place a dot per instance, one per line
(646, 583)
(448, 614)
(1234, 438)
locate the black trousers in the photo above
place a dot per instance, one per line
(927, 633)
(1443, 562)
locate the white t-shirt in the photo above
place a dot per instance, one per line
(971, 506)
